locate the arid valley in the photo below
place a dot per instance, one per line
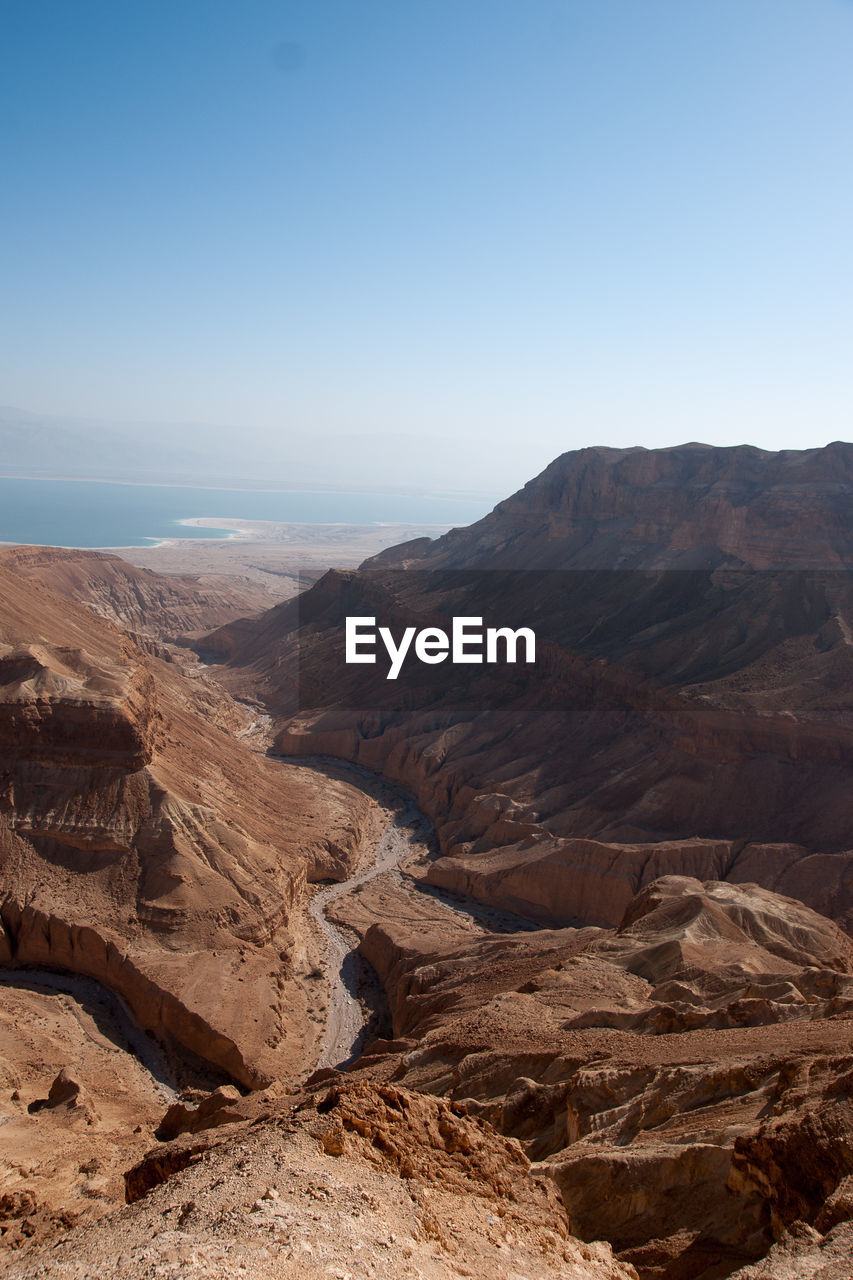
(523, 972)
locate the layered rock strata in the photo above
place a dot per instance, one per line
(668, 1075)
(144, 846)
(140, 601)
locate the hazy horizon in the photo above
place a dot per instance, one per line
(422, 245)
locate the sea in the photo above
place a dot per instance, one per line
(93, 513)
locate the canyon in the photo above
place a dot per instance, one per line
(590, 1017)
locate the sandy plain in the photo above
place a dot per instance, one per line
(281, 558)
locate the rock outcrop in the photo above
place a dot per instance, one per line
(145, 846)
(142, 602)
(692, 506)
(356, 1181)
(669, 1075)
(220, 1107)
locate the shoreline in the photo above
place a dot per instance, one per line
(261, 533)
(277, 556)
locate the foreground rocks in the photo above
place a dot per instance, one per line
(683, 1079)
(356, 1181)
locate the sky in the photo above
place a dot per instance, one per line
(497, 228)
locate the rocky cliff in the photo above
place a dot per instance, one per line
(694, 615)
(142, 843)
(704, 723)
(666, 791)
(669, 1075)
(619, 985)
(357, 1180)
(693, 506)
(142, 602)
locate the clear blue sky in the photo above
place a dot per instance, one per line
(531, 225)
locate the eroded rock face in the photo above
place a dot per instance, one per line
(667, 792)
(638, 1066)
(141, 602)
(69, 708)
(799, 1159)
(645, 783)
(664, 794)
(430, 1139)
(356, 1180)
(805, 1254)
(142, 844)
(682, 507)
(694, 613)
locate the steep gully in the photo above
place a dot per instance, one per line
(346, 1023)
(110, 1024)
(408, 837)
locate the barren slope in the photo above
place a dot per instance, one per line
(687, 507)
(360, 1182)
(146, 846)
(683, 1079)
(140, 601)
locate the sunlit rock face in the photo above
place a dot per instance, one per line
(142, 843)
(690, 507)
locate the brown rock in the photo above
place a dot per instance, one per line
(141, 602)
(635, 1065)
(127, 850)
(704, 713)
(220, 1107)
(689, 506)
(65, 1090)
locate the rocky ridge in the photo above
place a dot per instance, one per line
(356, 1181)
(687, 507)
(704, 712)
(127, 851)
(666, 793)
(606, 1020)
(663, 1074)
(138, 600)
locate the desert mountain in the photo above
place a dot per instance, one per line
(666, 790)
(704, 716)
(689, 507)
